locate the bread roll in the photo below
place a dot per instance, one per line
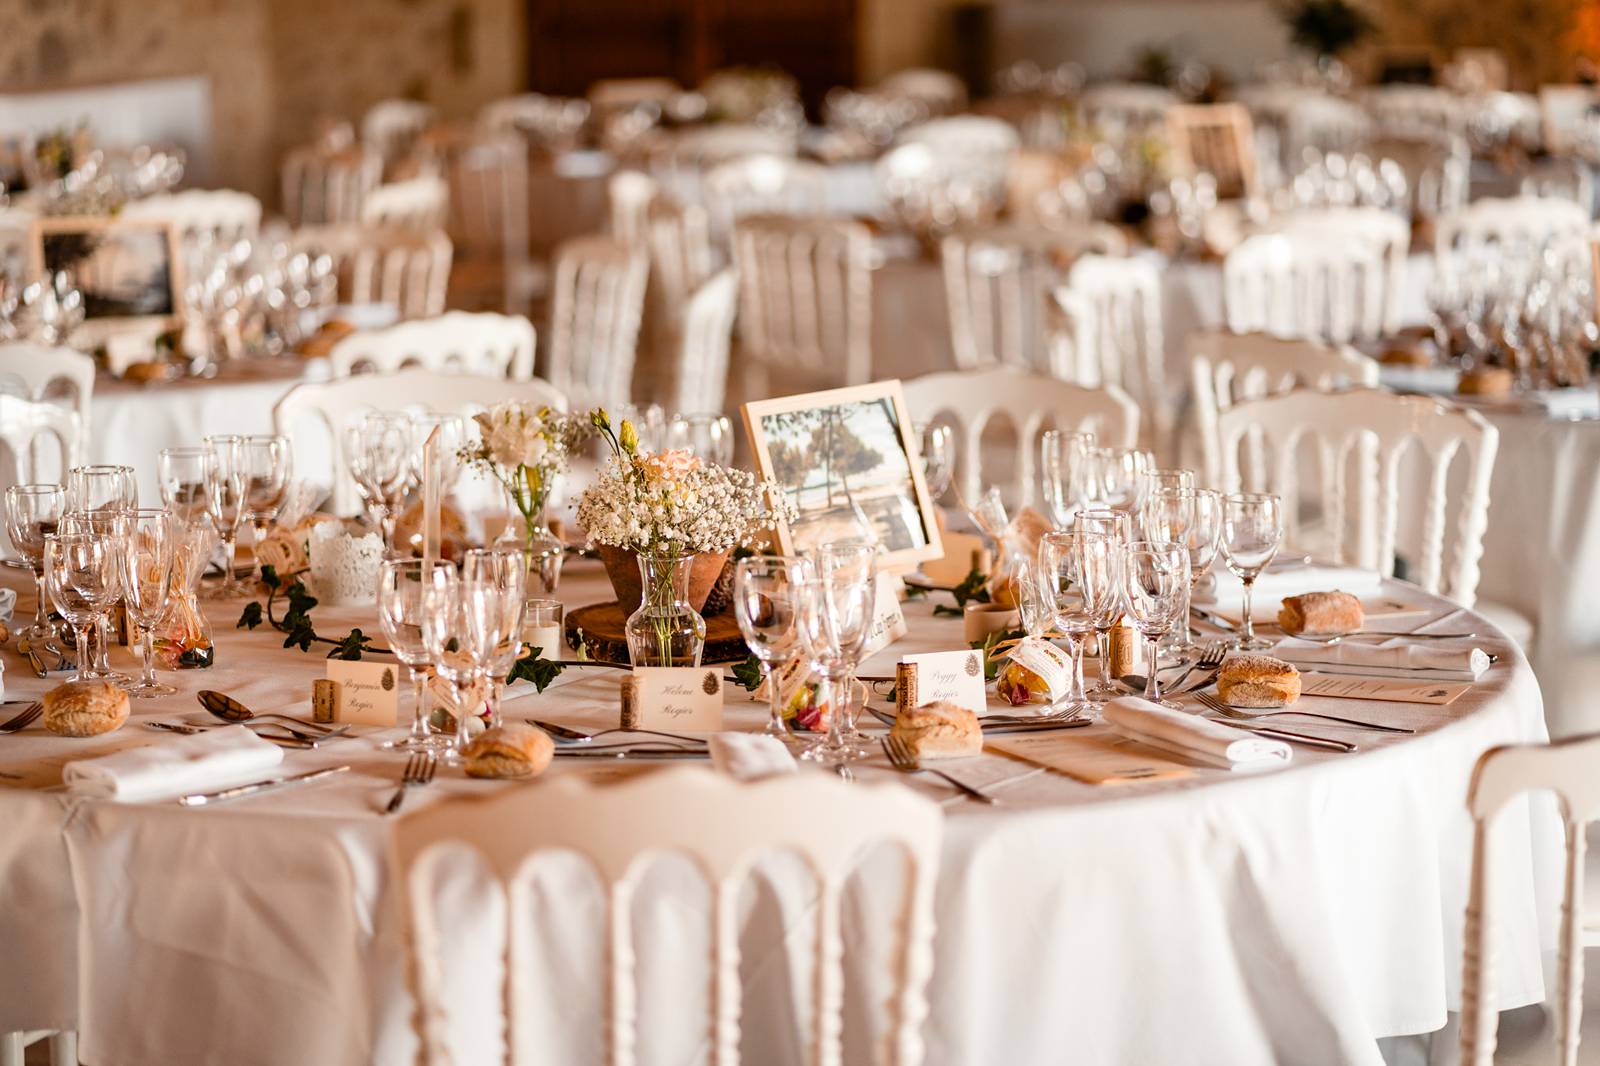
(1258, 681)
(515, 749)
(1321, 614)
(940, 730)
(1486, 381)
(84, 708)
(1413, 353)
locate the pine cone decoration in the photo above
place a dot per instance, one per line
(721, 595)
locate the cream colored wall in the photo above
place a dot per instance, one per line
(897, 34)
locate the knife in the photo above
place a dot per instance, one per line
(1273, 733)
(200, 799)
(632, 753)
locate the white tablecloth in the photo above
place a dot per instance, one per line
(1292, 916)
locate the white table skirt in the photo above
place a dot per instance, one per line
(1293, 916)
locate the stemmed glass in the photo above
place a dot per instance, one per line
(938, 457)
(766, 591)
(1065, 472)
(709, 436)
(1155, 580)
(102, 488)
(1191, 518)
(1118, 472)
(834, 617)
(225, 503)
(183, 482)
(80, 572)
(461, 628)
(1169, 478)
(851, 561)
(148, 542)
(1072, 573)
(506, 569)
(1117, 526)
(32, 514)
(1252, 529)
(382, 453)
(265, 462)
(403, 585)
(107, 523)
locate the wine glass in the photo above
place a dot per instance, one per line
(1167, 478)
(850, 561)
(183, 482)
(80, 572)
(101, 488)
(225, 503)
(1252, 529)
(382, 453)
(834, 618)
(1065, 472)
(506, 568)
(1118, 526)
(1118, 474)
(766, 590)
(32, 513)
(461, 627)
(265, 462)
(1155, 581)
(709, 436)
(148, 541)
(1191, 518)
(106, 523)
(403, 585)
(938, 457)
(1071, 575)
(453, 435)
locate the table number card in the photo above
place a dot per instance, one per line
(1381, 688)
(888, 621)
(678, 698)
(956, 676)
(365, 693)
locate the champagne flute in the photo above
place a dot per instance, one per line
(709, 436)
(852, 561)
(1155, 579)
(1252, 529)
(1193, 519)
(80, 572)
(1119, 528)
(834, 617)
(1064, 582)
(766, 589)
(938, 457)
(506, 568)
(225, 503)
(403, 585)
(183, 482)
(101, 488)
(32, 514)
(148, 541)
(265, 462)
(1065, 472)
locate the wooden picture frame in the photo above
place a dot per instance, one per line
(1217, 139)
(893, 489)
(158, 236)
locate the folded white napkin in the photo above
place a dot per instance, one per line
(200, 762)
(748, 756)
(1193, 737)
(1227, 592)
(1424, 661)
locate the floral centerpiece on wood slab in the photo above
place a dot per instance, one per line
(664, 524)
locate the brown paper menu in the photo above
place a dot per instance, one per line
(1387, 689)
(1095, 758)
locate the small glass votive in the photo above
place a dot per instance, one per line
(541, 626)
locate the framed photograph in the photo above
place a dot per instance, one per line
(129, 270)
(848, 459)
(1217, 139)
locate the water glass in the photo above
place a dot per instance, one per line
(1191, 518)
(853, 561)
(462, 624)
(833, 619)
(1065, 472)
(1166, 478)
(147, 551)
(1073, 577)
(225, 503)
(32, 514)
(1155, 584)
(938, 457)
(183, 482)
(1118, 473)
(80, 572)
(709, 436)
(766, 591)
(382, 455)
(265, 462)
(1118, 526)
(101, 488)
(403, 585)
(505, 569)
(106, 523)
(1252, 529)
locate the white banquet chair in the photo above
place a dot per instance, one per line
(805, 301)
(220, 216)
(391, 127)
(39, 441)
(973, 402)
(1228, 368)
(705, 334)
(63, 375)
(1503, 776)
(629, 196)
(314, 415)
(421, 203)
(408, 269)
(488, 179)
(763, 185)
(1390, 232)
(1535, 220)
(724, 828)
(594, 319)
(1305, 284)
(466, 342)
(323, 186)
(1123, 297)
(1362, 437)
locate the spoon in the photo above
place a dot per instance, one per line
(566, 735)
(220, 705)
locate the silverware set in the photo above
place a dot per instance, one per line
(419, 770)
(308, 736)
(1229, 718)
(574, 743)
(902, 759)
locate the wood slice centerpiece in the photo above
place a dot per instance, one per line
(602, 626)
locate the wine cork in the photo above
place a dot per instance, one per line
(630, 703)
(905, 687)
(1124, 648)
(324, 699)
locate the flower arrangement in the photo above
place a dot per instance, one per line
(525, 448)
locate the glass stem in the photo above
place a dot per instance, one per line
(229, 541)
(388, 518)
(1077, 644)
(260, 527)
(775, 723)
(1152, 684)
(41, 609)
(463, 738)
(147, 648)
(1103, 637)
(828, 697)
(1185, 634)
(419, 689)
(82, 635)
(102, 643)
(1248, 630)
(497, 691)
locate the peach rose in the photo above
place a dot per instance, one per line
(669, 467)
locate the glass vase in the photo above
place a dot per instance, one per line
(665, 630)
(182, 639)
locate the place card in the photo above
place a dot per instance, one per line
(1390, 690)
(888, 621)
(678, 698)
(1095, 759)
(365, 693)
(956, 676)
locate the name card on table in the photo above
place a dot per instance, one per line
(956, 676)
(678, 698)
(1390, 690)
(888, 621)
(365, 693)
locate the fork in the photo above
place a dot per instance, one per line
(1246, 716)
(1210, 659)
(901, 758)
(1232, 717)
(25, 718)
(419, 771)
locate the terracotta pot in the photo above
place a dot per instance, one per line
(622, 567)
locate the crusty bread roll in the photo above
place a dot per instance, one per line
(1485, 381)
(515, 749)
(1258, 681)
(940, 730)
(1408, 353)
(1321, 614)
(84, 708)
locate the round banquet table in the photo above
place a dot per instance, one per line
(1294, 915)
